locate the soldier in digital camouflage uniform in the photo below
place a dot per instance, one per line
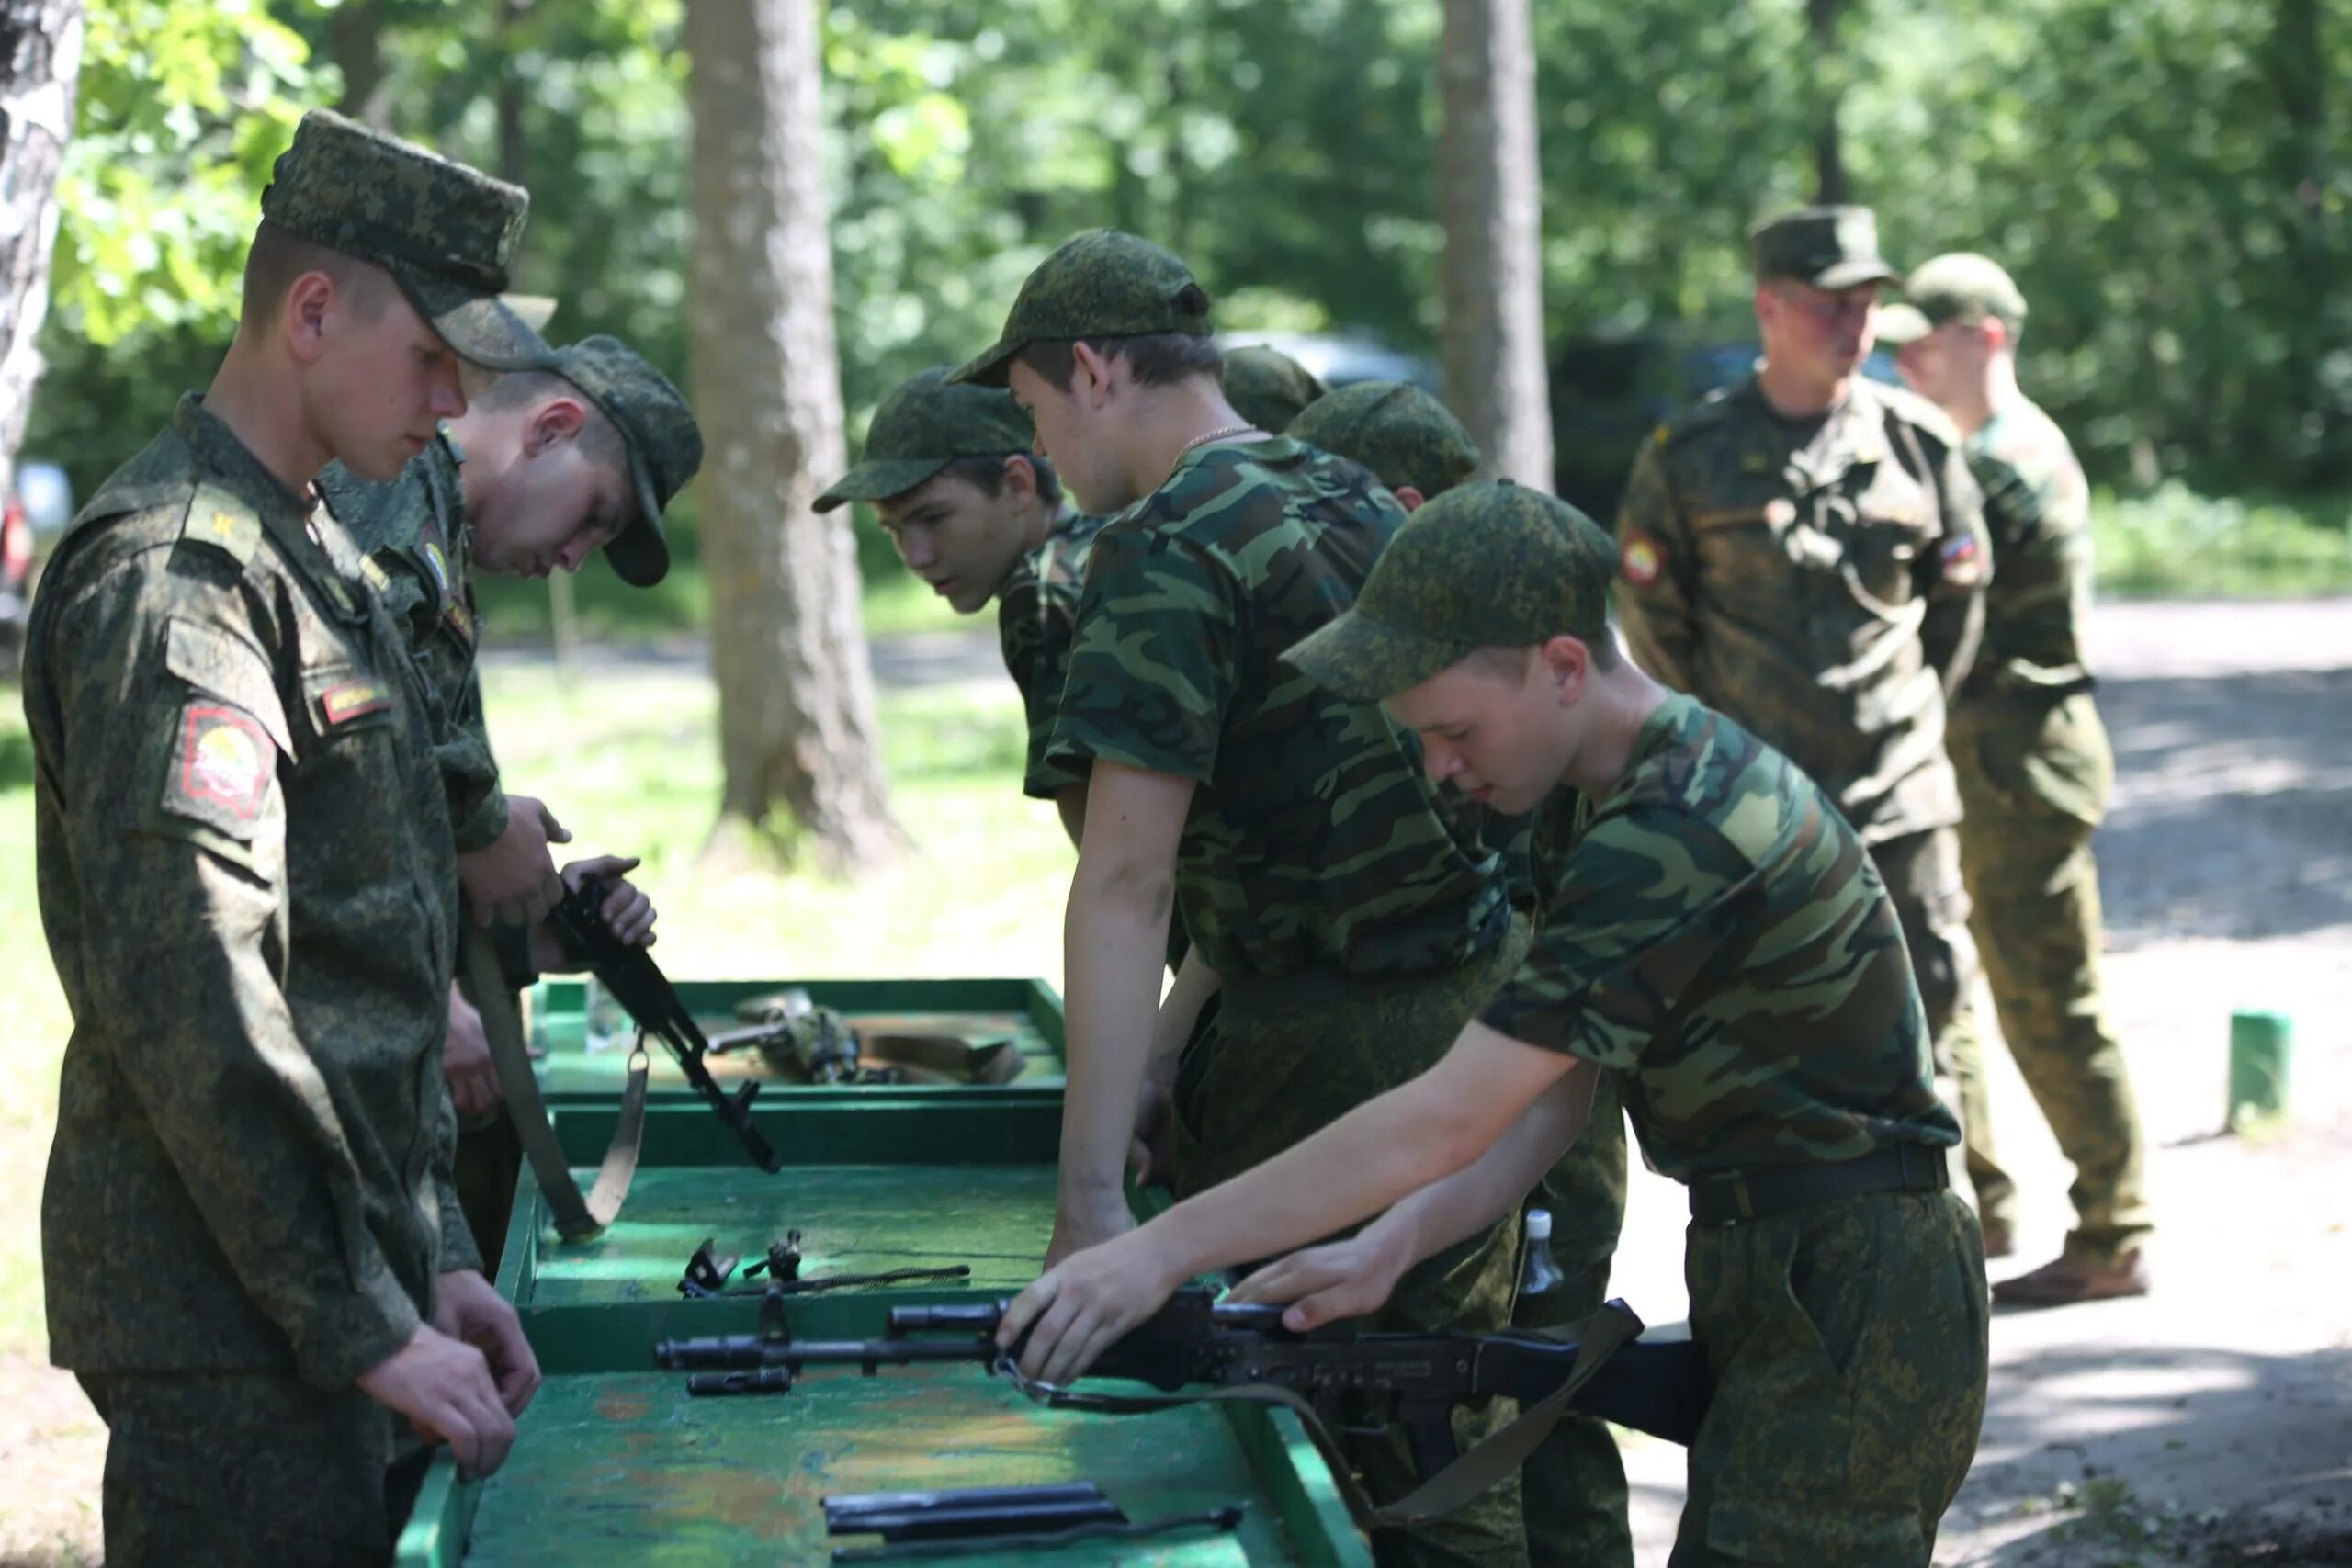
(1573, 1487)
(1722, 943)
(2034, 767)
(1267, 387)
(1804, 552)
(546, 466)
(978, 515)
(250, 1248)
(1344, 922)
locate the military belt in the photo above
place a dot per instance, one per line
(1768, 1190)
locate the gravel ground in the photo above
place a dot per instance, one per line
(2210, 1423)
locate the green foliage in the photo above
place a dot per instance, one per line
(2177, 544)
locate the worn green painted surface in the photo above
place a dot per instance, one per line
(852, 1218)
(1027, 1011)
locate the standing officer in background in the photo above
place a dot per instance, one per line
(2034, 767)
(1572, 1488)
(1804, 553)
(252, 1254)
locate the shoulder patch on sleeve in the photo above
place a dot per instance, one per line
(219, 518)
(1639, 559)
(220, 767)
(1964, 561)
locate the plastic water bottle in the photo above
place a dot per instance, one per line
(608, 1026)
(1540, 1274)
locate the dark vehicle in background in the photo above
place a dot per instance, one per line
(38, 508)
(1610, 394)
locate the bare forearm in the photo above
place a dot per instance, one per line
(1471, 1198)
(1114, 946)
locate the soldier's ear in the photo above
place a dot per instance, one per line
(553, 422)
(1408, 497)
(1019, 477)
(1089, 373)
(303, 315)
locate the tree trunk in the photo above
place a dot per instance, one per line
(1830, 157)
(41, 53)
(1491, 273)
(355, 36)
(795, 693)
(2299, 69)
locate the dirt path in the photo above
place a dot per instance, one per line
(2210, 1423)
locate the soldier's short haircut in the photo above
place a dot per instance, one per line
(1510, 664)
(986, 473)
(600, 438)
(278, 257)
(1159, 360)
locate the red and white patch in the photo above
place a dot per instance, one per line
(339, 703)
(1640, 560)
(1964, 561)
(222, 766)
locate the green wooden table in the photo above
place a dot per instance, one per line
(615, 1464)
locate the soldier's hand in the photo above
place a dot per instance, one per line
(466, 1308)
(443, 1386)
(627, 912)
(1085, 1305)
(465, 1062)
(514, 881)
(1322, 1284)
(1084, 1220)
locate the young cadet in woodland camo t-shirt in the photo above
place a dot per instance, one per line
(1722, 943)
(1348, 927)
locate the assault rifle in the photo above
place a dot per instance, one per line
(647, 995)
(1197, 1348)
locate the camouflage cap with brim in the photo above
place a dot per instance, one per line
(663, 442)
(1483, 565)
(1101, 284)
(1267, 387)
(1829, 247)
(1402, 434)
(446, 233)
(1959, 285)
(924, 424)
(1900, 323)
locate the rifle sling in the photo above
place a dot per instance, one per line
(1491, 1463)
(576, 1218)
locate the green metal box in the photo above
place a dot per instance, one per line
(614, 1463)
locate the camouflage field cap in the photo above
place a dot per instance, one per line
(1829, 247)
(1959, 285)
(1267, 387)
(1100, 284)
(923, 425)
(1483, 565)
(663, 440)
(1400, 432)
(446, 232)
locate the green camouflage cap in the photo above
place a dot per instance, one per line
(663, 440)
(1101, 284)
(1400, 432)
(1267, 387)
(923, 425)
(1829, 247)
(1483, 565)
(446, 232)
(1959, 285)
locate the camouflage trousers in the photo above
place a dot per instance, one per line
(1282, 1059)
(1847, 1342)
(1572, 1489)
(2034, 791)
(249, 1470)
(1922, 875)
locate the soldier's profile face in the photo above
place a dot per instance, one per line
(958, 538)
(1823, 331)
(380, 384)
(1488, 727)
(556, 506)
(1938, 365)
(1071, 433)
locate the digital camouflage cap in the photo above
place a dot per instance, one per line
(1267, 387)
(1959, 285)
(446, 232)
(1829, 247)
(1100, 284)
(663, 440)
(1402, 434)
(1483, 565)
(924, 424)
